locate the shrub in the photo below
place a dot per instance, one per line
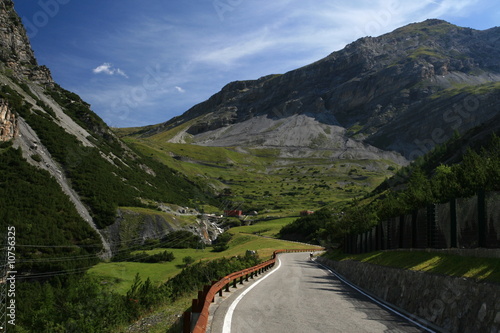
(188, 260)
(221, 243)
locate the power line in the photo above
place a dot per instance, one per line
(175, 241)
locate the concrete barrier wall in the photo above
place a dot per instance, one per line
(454, 304)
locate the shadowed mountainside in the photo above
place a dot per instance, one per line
(401, 93)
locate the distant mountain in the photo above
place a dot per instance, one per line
(401, 93)
(63, 173)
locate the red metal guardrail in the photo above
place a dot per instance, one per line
(199, 309)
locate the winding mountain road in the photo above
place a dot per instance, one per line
(298, 295)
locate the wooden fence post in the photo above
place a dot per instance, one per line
(414, 229)
(401, 231)
(453, 223)
(481, 214)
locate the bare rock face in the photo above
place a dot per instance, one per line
(8, 123)
(15, 48)
(385, 92)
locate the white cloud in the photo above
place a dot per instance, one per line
(227, 50)
(200, 53)
(107, 68)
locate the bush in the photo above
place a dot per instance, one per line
(188, 260)
(231, 222)
(221, 243)
(36, 158)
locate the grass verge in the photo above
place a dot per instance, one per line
(479, 269)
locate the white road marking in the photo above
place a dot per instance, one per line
(226, 328)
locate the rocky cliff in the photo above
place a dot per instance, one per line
(387, 93)
(15, 49)
(58, 133)
(8, 123)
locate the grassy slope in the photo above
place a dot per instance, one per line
(266, 229)
(480, 269)
(262, 179)
(121, 274)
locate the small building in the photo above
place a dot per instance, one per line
(233, 213)
(306, 212)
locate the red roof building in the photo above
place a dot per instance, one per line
(235, 213)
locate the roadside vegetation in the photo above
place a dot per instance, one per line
(425, 181)
(479, 269)
(112, 295)
(121, 274)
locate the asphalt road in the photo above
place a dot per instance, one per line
(300, 296)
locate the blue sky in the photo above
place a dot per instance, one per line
(143, 62)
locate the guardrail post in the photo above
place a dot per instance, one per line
(201, 297)
(186, 322)
(213, 298)
(194, 305)
(205, 290)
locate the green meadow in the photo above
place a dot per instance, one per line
(268, 228)
(262, 180)
(120, 275)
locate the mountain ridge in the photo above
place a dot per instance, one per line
(364, 89)
(55, 134)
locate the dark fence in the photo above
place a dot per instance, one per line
(461, 223)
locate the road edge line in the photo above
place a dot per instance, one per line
(226, 327)
(421, 323)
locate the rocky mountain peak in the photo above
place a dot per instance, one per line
(15, 47)
(360, 93)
